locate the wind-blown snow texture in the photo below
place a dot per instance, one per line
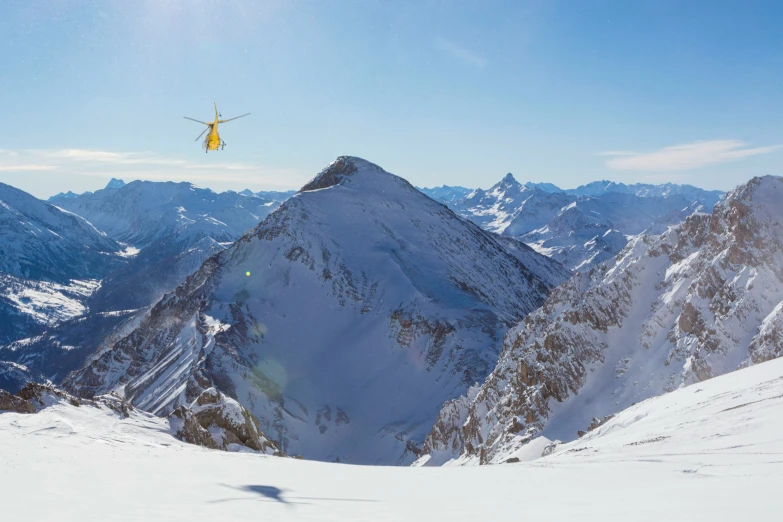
(342, 322)
(710, 451)
(700, 300)
(579, 227)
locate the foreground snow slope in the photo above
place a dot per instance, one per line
(710, 451)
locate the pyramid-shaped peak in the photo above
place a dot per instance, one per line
(115, 184)
(339, 169)
(509, 178)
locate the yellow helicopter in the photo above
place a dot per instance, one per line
(213, 141)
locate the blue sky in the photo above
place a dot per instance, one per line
(451, 91)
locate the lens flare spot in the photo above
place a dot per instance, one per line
(259, 329)
(274, 371)
(247, 273)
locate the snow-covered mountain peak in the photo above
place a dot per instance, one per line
(509, 179)
(508, 183)
(115, 183)
(762, 195)
(342, 321)
(340, 169)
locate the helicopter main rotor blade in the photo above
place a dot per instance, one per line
(197, 121)
(234, 118)
(202, 133)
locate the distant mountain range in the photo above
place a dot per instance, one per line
(578, 227)
(66, 289)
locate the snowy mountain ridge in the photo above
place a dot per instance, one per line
(702, 299)
(141, 212)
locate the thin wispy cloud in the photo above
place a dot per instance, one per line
(145, 166)
(27, 167)
(687, 156)
(460, 52)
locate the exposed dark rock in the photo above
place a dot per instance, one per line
(10, 402)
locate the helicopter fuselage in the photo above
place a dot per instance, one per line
(212, 141)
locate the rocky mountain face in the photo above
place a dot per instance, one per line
(341, 322)
(213, 420)
(219, 422)
(702, 299)
(580, 227)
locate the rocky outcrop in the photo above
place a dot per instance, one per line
(339, 169)
(219, 422)
(11, 402)
(700, 300)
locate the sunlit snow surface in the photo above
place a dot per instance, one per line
(711, 451)
(45, 302)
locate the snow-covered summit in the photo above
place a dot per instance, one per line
(115, 183)
(341, 169)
